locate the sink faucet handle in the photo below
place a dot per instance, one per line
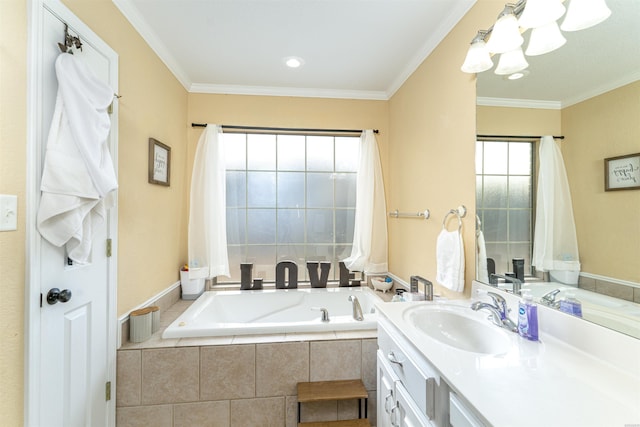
(500, 303)
(324, 316)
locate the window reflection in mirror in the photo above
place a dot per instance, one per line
(505, 200)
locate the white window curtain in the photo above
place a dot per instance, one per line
(555, 246)
(369, 250)
(208, 256)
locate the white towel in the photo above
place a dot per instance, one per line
(450, 260)
(482, 272)
(78, 179)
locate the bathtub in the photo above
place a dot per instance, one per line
(223, 313)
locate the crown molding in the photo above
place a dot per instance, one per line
(132, 14)
(287, 91)
(518, 103)
(609, 86)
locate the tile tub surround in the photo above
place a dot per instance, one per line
(238, 385)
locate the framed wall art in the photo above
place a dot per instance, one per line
(622, 172)
(159, 163)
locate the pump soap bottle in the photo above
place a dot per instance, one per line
(528, 318)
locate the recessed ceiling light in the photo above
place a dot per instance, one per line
(518, 75)
(293, 62)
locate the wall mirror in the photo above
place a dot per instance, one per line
(589, 91)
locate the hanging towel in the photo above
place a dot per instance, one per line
(450, 260)
(482, 271)
(78, 179)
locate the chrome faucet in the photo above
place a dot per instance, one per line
(517, 283)
(357, 310)
(428, 286)
(549, 299)
(499, 311)
(324, 313)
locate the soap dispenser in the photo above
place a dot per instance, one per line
(398, 296)
(528, 318)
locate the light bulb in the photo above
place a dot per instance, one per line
(584, 14)
(545, 39)
(506, 35)
(511, 62)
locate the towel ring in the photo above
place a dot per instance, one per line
(452, 212)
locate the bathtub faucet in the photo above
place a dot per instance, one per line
(357, 310)
(324, 313)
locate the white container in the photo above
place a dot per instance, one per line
(155, 318)
(379, 284)
(191, 288)
(140, 324)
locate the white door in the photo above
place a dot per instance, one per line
(74, 355)
(387, 402)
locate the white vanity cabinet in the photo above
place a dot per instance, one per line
(406, 382)
(460, 415)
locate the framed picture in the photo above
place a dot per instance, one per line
(622, 172)
(159, 163)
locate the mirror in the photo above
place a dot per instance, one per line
(587, 91)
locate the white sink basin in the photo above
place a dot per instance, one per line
(459, 327)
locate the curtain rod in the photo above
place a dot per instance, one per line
(517, 136)
(202, 125)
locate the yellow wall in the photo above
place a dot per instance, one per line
(607, 222)
(431, 153)
(276, 111)
(518, 121)
(151, 218)
(152, 222)
(13, 88)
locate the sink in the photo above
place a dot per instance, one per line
(459, 327)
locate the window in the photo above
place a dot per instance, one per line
(289, 197)
(504, 200)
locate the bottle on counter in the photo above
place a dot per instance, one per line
(398, 297)
(571, 305)
(528, 318)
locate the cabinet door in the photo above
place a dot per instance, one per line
(460, 415)
(409, 414)
(387, 403)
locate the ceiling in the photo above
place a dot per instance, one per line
(362, 49)
(593, 61)
(366, 49)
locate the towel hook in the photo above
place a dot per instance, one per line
(69, 41)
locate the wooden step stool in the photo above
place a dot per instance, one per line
(319, 391)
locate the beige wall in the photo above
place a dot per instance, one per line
(151, 218)
(518, 121)
(152, 222)
(276, 111)
(431, 152)
(607, 222)
(13, 88)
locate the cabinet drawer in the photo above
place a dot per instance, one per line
(415, 373)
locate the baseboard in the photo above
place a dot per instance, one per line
(164, 298)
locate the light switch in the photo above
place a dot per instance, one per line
(8, 212)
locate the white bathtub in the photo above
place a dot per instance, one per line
(221, 313)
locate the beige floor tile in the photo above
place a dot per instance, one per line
(279, 367)
(335, 360)
(369, 363)
(145, 416)
(202, 414)
(291, 411)
(262, 412)
(170, 375)
(129, 377)
(228, 372)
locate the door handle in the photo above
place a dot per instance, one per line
(54, 295)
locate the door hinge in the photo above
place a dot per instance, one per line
(108, 248)
(107, 391)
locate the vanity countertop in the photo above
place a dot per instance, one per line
(545, 383)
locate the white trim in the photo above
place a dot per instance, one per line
(518, 103)
(287, 91)
(610, 280)
(150, 301)
(437, 36)
(35, 18)
(133, 15)
(608, 87)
